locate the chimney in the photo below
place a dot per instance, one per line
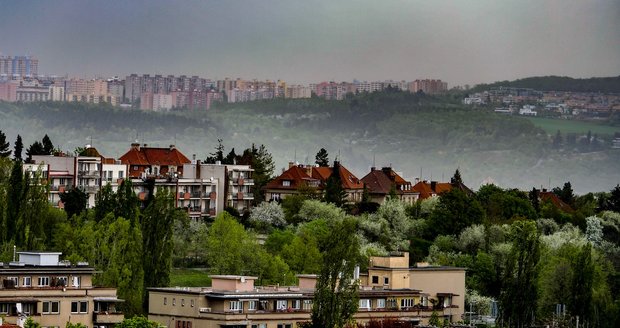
(135, 146)
(388, 171)
(172, 147)
(291, 164)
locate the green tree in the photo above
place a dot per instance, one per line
(227, 245)
(580, 302)
(74, 201)
(455, 212)
(30, 323)
(127, 203)
(322, 158)
(157, 223)
(48, 146)
(519, 293)
(19, 146)
(75, 325)
(35, 148)
(137, 322)
(457, 177)
(565, 193)
(334, 192)
(14, 201)
(121, 258)
(336, 295)
(4, 146)
(302, 254)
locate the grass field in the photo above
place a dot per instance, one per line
(189, 278)
(551, 126)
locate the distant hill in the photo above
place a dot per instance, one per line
(558, 83)
(417, 134)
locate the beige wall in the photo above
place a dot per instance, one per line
(442, 281)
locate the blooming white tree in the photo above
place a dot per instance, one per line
(267, 214)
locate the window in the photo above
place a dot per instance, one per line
(375, 279)
(61, 281)
(182, 302)
(364, 303)
(79, 307)
(286, 183)
(192, 303)
(281, 305)
(120, 174)
(406, 302)
(285, 325)
(252, 305)
(14, 281)
(386, 280)
(174, 301)
(5, 307)
(259, 325)
(51, 307)
(275, 197)
(44, 281)
(307, 304)
(381, 303)
(165, 300)
(235, 306)
(296, 304)
(26, 281)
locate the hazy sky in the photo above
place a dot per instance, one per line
(308, 41)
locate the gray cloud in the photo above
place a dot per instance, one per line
(457, 41)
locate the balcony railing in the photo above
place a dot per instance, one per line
(108, 317)
(89, 173)
(89, 189)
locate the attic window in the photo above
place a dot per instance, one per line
(286, 183)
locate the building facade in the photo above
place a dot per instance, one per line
(391, 289)
(54, 292)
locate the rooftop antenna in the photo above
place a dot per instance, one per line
(373, 161)
(549, 186)
(420, 173)
(295, 156)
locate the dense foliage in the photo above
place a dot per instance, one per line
(559, 83)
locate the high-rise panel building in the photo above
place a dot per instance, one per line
(22, 66)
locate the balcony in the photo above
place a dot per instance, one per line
(107, 317)
(89, 189)
(59, 188)
(89, 174)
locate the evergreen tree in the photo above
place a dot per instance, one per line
(336, 296)
(35, 149)
(48, 147)
(75, 201)
(19, 146)
(613, 203)
(262, 163)
(218, 155)
(565, 193)
(127, 202)
(534, 197)
(321, 158)
(4, 146)
(334, 192)
(456, 179)
(231, 158)
(15, 196)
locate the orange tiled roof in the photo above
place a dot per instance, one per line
(424, 189)
(349, 180)
(295, 174)
(556, 201)
(154, 156)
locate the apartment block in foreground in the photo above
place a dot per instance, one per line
(54, 292)
(390, 290)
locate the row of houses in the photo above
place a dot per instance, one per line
(379, 184)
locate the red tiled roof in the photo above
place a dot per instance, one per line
(381, 182)
(556, 201)
(154, 156)
(349, 180)
(295, 174)
(424, 189)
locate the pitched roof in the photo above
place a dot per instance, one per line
(381, 181)
(296, 175)
(427, 189)
(348, 179)
(556, 201)
(154, 156)
(312, 175)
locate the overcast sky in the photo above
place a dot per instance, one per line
(308, 41)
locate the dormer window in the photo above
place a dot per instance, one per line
(286, 183)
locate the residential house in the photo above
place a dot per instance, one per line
(390, 289)
(300, 176)
(429, 189)
(147, 161)
(54, 292)
(381, 183)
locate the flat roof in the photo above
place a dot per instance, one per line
(233, 277)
